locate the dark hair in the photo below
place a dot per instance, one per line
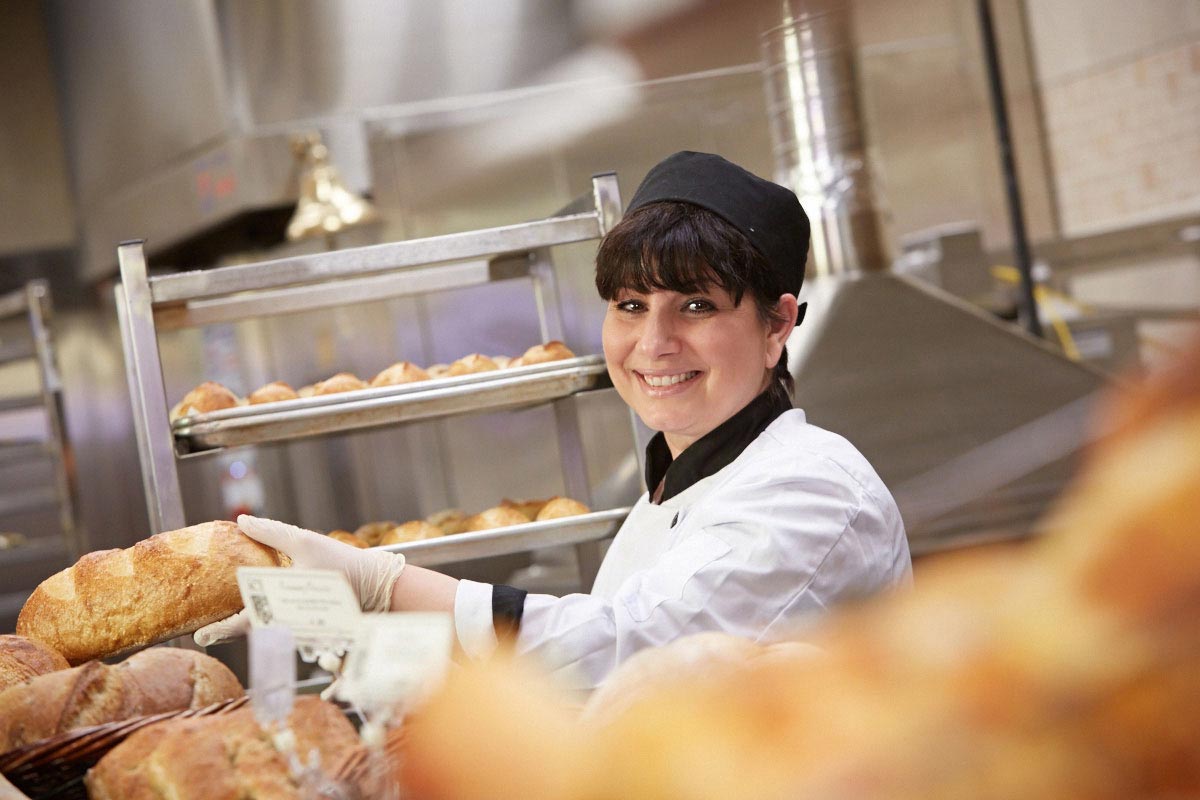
(681, 247)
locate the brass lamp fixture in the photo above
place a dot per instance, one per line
(326, 207)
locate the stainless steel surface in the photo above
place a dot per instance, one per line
(366, 260)
(143, 369)
(817, 133)
(366, 408)
(585, 528)
(917, 379)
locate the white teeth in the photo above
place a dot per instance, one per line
(669, 380)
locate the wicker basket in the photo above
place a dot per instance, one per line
(54, 767)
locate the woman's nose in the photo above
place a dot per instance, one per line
(658, 335)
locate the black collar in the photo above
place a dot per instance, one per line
(716, 449)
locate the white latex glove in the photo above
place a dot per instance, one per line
(372, 573)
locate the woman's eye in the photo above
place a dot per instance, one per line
(628, 305)
(699, 306)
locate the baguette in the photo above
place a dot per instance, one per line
(227, 755)
(114, 601)
(150, 682)
(22, 659)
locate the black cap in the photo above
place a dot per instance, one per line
(766, 213)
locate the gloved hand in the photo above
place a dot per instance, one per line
(372, 573)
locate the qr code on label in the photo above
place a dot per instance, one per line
(262, 608)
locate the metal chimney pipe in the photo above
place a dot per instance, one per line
(817, 133)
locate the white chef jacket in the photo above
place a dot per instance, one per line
(798, 522)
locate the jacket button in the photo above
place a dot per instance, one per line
(674, 519)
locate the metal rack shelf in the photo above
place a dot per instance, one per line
(148, 306)
(32, 425)
(388, 405)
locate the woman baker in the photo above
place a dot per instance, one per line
(754, 519)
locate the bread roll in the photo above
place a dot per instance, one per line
(150, 682)
(558, 507)
(438, 370)
(497, 517)
(543, 353)
(372, 532)
(399, 373)
(208, 396)
(412, 531)
(167, 585)
(342, 382)
(529, 508)
(308, 390)
(272, 393)
(450, 520)
(346, 537)
(503, 362)
(471, 364)
(22, 659)
(222, 756)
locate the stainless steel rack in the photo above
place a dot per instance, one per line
(148, 306)
(32, 425)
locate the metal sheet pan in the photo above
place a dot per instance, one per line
(366, 408)
(591, 527)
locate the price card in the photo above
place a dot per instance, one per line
(396, 659)
(317, 605)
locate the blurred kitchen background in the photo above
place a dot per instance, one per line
(175, 121)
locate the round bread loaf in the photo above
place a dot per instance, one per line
(22, 659)
(412, 531)
(450, 520)
(529, 508)
(543, 353)
(342, 382)
(272, 393)
(113, 601)
(346, 537)
(208, 396)
(557, 507)
(372, 532)
(399, 373)
(438, 370)
(497, 517)
(471, 364)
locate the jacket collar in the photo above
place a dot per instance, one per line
(716, 449)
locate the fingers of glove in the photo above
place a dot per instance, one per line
(303, 546)
(223, 630)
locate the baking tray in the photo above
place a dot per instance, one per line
(591, 527)
(387, 405)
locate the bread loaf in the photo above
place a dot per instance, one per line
(530, 508)
(272, 393)
(22, 659)
(346, 537)
(496, 517)
(150, 682)
(113, 601)
(372, 532)
(208, 396)
(342, 382)
(398, 373)
(222, 756)
(558, 507)
(471, 364)
(413, 531)
(543, 353)
(450, 520)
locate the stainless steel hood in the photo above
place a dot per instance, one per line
(971, 422)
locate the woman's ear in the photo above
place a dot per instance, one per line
(780, 327)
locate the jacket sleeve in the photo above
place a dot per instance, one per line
(755, 557)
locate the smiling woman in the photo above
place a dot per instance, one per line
(754, 519)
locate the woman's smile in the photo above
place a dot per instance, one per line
(661, 384)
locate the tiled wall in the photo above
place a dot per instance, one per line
(1125, 140)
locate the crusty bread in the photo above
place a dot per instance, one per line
(113, 601)
(273, 392)
(557, 507)
(497, 517)
(398, 373)
(342, 382)
(372, 532)
(150, 682)
(450, 520)
(412, 531)
(346, 537)
(208, 396)
(223, 756)
(472, 363)
(529, 508)
(22, 659)
(543, 353)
